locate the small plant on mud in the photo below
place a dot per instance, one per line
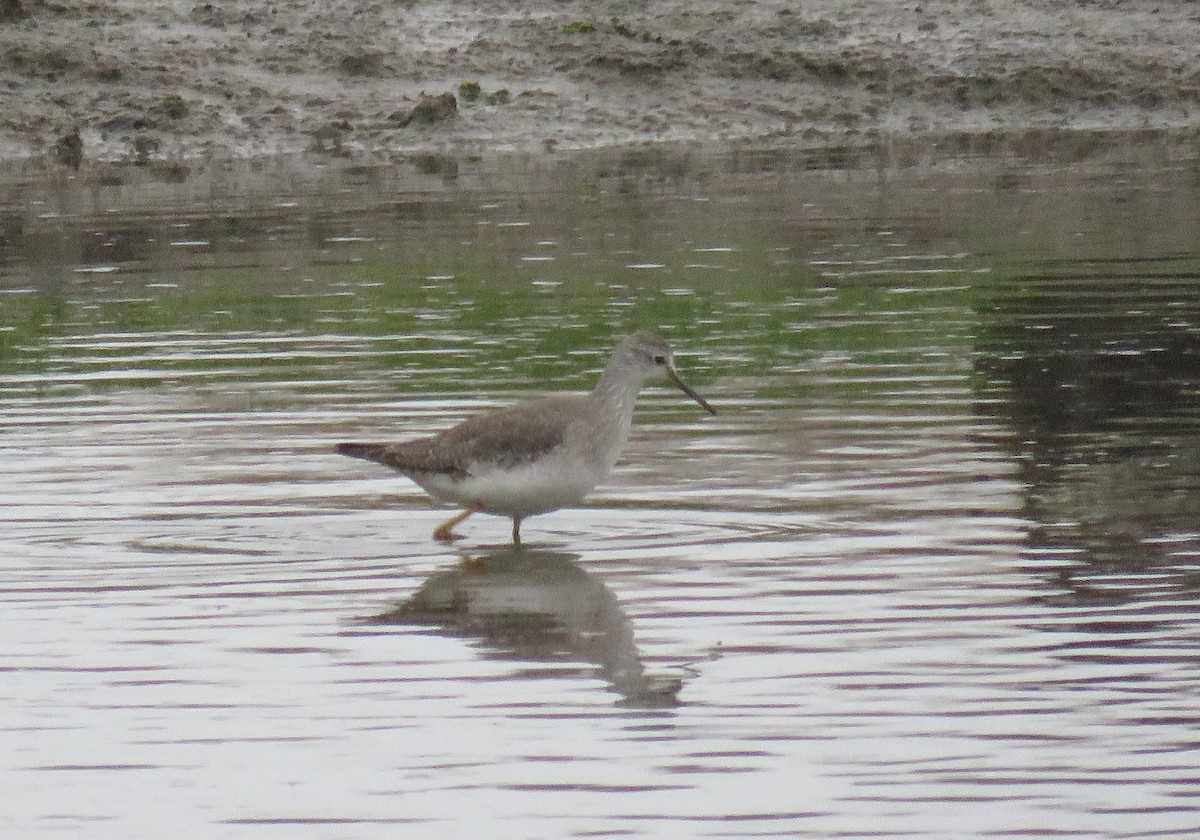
(498, 97)
(622, 29)
(469, 91)
(173, 106)
(578, 27)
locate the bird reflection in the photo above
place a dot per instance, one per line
(537, 605)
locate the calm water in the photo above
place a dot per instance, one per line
(932, 572)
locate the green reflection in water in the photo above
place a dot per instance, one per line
(441, 291)
(741, 324)
(26, 324)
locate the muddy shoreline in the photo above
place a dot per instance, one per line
(145, 81)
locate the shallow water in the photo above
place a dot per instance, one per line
(930, 573)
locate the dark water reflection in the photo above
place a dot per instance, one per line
(930, 573)
(1100, 380)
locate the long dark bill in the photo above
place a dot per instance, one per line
(683, 386)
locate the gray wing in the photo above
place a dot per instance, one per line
(506, 438)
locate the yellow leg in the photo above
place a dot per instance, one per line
(445, 531)
(516, 531)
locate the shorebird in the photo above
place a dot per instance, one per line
(536, 456)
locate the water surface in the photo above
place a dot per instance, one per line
(930, 573)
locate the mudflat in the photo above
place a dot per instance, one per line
(236, 78)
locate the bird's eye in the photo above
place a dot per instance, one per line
(660, 360)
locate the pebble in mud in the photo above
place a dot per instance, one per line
(431, 109)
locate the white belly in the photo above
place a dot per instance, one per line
(549, 483)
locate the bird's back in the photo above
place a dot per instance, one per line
(507, 438)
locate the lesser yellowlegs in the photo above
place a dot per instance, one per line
(537, 456)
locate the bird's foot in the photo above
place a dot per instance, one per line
(445, 531)
(446, 535)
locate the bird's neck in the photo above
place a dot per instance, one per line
(617, 389)
(617, 392)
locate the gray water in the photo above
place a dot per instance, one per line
(931, 572)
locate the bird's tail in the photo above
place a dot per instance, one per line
(367, 451)
(411, 458)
